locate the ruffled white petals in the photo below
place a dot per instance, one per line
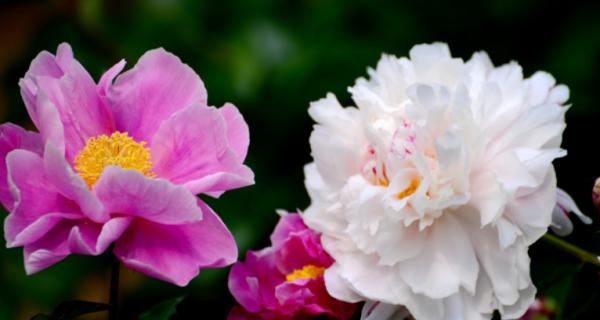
(429, 191)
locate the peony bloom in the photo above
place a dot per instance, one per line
(285, 281)
(120, 163)
(429, 192)
(561, 222)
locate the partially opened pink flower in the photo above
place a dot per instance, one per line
(121, 163)
(285, 281)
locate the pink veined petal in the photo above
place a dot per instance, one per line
(155, 88)
(107, 78)
(69, 236)
(238, 134)
(106, 82)
(14, 137)
(50, 126)
(35, 197)
(38, 228)
(128, 192)
(176, 253)
(73, 93)
(48, 250)
(93, 239)
(299, 250)
(72, 186)
(191, 148)
(253, 281)
(289, 223)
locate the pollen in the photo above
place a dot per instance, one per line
(307, 272)
(412, 187)
(117, 150)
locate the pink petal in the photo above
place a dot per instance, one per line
(50, 126)
(238, 134)
(157, 86)
(128, 192)
(72, 236)
(175, 253)
(93, 239)
(191, 148)
(253, 281)
(289, 223)
(48, 250)
(14, 137)
(36, 229)
(72, 186)
(107, 78)
(35, 197)
(72, 91)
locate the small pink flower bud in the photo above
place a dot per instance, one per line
(596, 194)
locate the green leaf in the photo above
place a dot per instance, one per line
(72, 309)
(162, 311)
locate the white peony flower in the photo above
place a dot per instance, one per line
(429, 192)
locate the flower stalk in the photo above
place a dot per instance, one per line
(572, 249)
(113, 312)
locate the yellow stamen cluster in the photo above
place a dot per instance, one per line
(412, 187)
(119, 150)
(307, 272)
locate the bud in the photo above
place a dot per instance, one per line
(540, 309)
(596, 194)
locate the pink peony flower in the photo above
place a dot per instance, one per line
(121, 163)
(285, 281)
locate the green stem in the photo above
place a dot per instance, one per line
(113, 312)
(571, 249)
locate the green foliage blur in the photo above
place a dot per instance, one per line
(271, 59)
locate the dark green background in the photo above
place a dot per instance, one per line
(271, 58)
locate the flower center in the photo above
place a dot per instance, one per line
(412, 187)
(117, 150)
(307, 272)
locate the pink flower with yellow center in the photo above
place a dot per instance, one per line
(120, 163)
(285, 281)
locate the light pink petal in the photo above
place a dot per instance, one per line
(35, 197)
(72, 92)
(191, 148)
(564, 201)
(176, 253)
(128, 192)
(72, 186)
(157, 86)
(238, 133)
(14, 137)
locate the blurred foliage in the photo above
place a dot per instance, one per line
(271, 58)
